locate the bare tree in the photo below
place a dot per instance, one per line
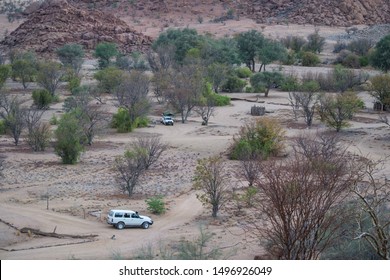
(206, 108)
(299, 198)
(49, 75)
(306, 99)
(39, 133)
(92, 117)
(13, 115)
(186, 90)
(2, 165)
(129, 168)
(132, 94)
(152, 149)
(384, 119)
(211, 180)
(373, 195)
(162, 59)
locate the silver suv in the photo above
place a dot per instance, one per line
(128, 218)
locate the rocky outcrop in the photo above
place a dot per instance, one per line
(319, 12)
(57, 22)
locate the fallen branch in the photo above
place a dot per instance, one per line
(53, 234)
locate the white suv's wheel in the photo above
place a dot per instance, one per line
(120, 225)
(145, 225)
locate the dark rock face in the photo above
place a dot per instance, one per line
(57, 22)
(320, 12)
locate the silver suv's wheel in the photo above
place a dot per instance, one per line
(120, 225)
(145, 225)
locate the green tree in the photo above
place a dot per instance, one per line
(380, 57)
(380, 90)
(222, 51)
(72, 56)
(104, 52)
(109, 79)
(182, 39)
(336, 110)
(271, 51)
(217, 74)
(248, 44)
(70, 138)
(49, 76)
(24, 67)
(5, 72)
(266, 80)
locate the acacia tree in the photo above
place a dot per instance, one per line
(248, 45)
(299, 198)
(72, 56)
(380, 57)
(266, 80)
(24, 67)
(211, 179)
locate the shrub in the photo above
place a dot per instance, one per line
(243, 72)
(315, 42)
(104, 52)
(294, 43)
(310, 59)
(121, 121)
(42, 98)
(109, 78)
(156, 205)
(38, 137)
(53, 120)
(290, 83)
(351, 61)
(69, 137)
(360, 46)
(339, 46)
(233, 84)
(220, 100)
(262, 138)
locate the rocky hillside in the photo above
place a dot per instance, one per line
(57, 22)
(320, 12)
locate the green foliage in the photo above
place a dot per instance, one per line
(266, 80)
(220, 100)
(337, 110)
(243, 72)
(310, 59)
(380, 89)
(121, 121)
(315, 42)
(221, 51)
(104, 52)
(70, 138)
(5, 72)
(290, 83)
(294, 43)
(233, 84)
(271, 51)
(24, 67)
(182, 39)
(262, 137)
(380, 58)
(49, 75)
(72, 56)
(42, 98)
(2, 127)
(53, 120)
(156, 205)
(109, 78)
(248, 44)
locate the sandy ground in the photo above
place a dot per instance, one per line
(81, 195)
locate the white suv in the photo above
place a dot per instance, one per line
(127, 218)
